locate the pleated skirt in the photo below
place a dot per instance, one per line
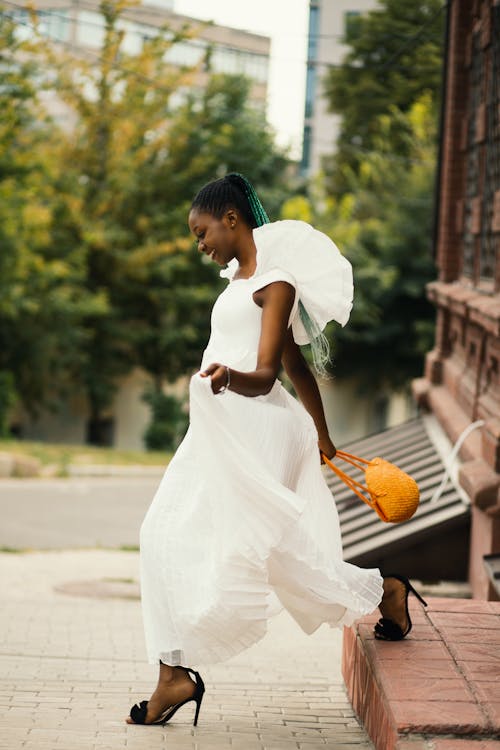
(242, 525)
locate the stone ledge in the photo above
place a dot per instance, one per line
(480, 482)
(481, 308)
(439, 688)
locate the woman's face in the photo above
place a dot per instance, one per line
(215, 237)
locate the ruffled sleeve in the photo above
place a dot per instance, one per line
(261, 280)
(322, 275)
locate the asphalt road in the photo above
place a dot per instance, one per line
(72, 513)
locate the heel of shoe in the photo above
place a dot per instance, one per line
(415, 593)
(198, 696)
(389, 629)
(408, 586)
(198, 706)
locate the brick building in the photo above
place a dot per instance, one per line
(461, 385)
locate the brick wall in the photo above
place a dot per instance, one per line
(453, 169)
(461, 383)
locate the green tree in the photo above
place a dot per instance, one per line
(169, 421)
(41, 297)
(135, 160)
(169, 288)
(384, 227)
(395, 55)
(121, 103)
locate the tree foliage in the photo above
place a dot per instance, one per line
(375, 196)
(383, 225)
(42, 295)
(169, 288)
(395, 56)
(169, 421)
(97, 272)
(119, 109)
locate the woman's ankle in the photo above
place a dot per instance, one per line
(167, 673)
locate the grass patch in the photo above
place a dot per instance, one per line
(62, 456)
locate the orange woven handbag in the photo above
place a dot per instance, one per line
(392, 493)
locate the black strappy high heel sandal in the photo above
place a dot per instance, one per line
(388, 630)
(139, 711)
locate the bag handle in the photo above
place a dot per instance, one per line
(353, 485)
(356, 461)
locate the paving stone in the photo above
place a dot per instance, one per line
(471, 652)
(423, 668)
(406, 651)
(404, 688)
(443, 604)
(464, 620)
(480, 671)
(70, 671)
(439, 717)
(466, 635)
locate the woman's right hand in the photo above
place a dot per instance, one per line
(219, 377)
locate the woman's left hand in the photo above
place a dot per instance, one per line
(218, 375)
(326, 446)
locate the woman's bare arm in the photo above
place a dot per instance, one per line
(307, 390)
(276, 300)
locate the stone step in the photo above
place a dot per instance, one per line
(439, 688)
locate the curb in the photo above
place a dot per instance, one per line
(107, 470)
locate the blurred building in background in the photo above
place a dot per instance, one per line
(328, 22)
(79, 26)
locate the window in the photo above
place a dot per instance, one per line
(312, 47)
(235, 61)
(310, 90)
(90, 29)
(186, 53)
(306, 150)
(55, 24)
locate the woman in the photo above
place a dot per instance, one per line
(243, 523)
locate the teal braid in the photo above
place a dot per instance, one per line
(231, 191)
(320, 347)
(253, 199)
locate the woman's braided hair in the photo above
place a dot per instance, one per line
(231, 191)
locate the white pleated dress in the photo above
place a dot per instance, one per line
(243, 523)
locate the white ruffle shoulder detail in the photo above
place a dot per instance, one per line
(322, 274)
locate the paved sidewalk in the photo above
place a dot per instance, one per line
(70, 667)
